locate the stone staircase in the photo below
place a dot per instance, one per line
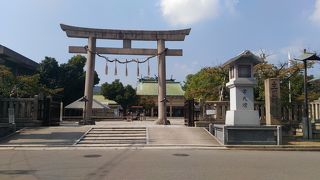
(114, 136)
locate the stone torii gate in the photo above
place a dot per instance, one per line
(127, 36)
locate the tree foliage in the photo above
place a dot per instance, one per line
(7, 81)
(293, 75)
(72, 78)
(146, 102)
(206, 84)
(67, 79)
(27, 86)
(18, 86)
(124, 95)
(49, 72)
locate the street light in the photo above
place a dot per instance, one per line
(307, 131)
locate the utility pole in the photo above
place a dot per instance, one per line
(289, 85)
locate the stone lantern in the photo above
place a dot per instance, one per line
(242, 124)
(241, 83)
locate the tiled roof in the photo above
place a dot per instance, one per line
(80, 105)
(150, 88)
(245, 56)
(103, 100)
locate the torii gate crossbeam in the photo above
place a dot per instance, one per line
(127, 36)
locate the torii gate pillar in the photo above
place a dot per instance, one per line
(162, 107)
(88, 91)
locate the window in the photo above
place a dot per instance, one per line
(244, 71)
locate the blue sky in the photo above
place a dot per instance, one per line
(220, 29)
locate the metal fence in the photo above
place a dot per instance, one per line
(215, 112)
(27, 112)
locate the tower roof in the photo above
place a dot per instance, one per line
(246, 56)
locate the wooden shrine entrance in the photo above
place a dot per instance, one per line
(127, 36)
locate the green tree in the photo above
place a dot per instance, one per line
(67, 80)
(49, 71)
(293, 74)
(125, 96)
(146, 102)
(27, 86)
(206, 84)
(72, 78)
(7, 81)
(130, 97)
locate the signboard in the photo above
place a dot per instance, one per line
(211, 112)
(11, 115)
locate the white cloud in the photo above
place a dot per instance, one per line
(186, 12)
(315, 17)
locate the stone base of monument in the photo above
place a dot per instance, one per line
(242, 118)
(247, 135)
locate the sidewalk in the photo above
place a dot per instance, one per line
(45, 136)
(299, 141)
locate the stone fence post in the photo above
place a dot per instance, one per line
(35, 107)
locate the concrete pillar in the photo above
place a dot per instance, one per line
(61, 111)
(35, 107)
(88, 92)
(317, 111)
(162, 114)
(202, 109)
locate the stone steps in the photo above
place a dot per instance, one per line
(113, 136)
(116, 132)
(116, 135)
(118, 129)
(105, 142)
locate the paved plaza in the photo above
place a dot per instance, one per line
(177, 135)
(69, 134)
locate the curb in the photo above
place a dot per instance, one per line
(158, 146)
(273, 148)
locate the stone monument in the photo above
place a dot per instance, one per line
(241, 83)
(272, 101)
(242, 125)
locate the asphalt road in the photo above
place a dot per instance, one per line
(158, 164)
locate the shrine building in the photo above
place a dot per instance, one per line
(147, 89)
